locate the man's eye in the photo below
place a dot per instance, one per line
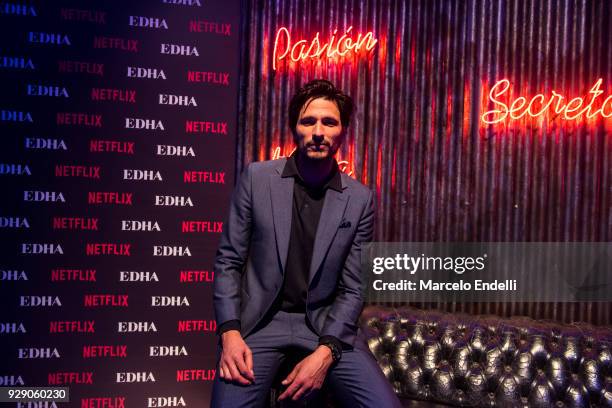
(330, 122)
(307, 122)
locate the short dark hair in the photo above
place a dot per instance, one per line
(320, 88)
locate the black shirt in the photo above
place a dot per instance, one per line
(307, 206)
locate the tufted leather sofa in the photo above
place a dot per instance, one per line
(463, 360)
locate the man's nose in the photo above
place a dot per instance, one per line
(317, 133)
(317, 138)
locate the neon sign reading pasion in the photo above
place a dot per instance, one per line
(554, 106)
(302, 50)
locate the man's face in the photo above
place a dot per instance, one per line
(319, 132)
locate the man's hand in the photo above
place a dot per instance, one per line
(308, 375)
(236, 362)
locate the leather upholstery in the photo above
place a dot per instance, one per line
(464, 360)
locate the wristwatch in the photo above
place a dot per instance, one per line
(336, 352)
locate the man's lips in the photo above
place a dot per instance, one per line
(317, 147)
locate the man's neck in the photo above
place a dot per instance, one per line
(314, 172)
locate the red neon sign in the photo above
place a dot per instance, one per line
(302, 50)
(343, 165)
(542, 106)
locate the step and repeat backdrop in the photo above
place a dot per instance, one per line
(118, 130)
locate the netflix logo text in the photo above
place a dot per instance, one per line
(196, 276)
(104, 197)
(111, 146)
(87, 16)
(72, 326)
(75, 223)
(210, 27)
(195, 375)
(114, 43)
(113, 95)
(73, 275)
(91, 172)
(66, 378)
(117, 351)
(112, 249)
(186, 326)
(78, 119)
(105, 300)
(80, 67)
(192, 126)
(214, 177)
(215, 78)
(202, 226)
(103, 402)
(190, 3)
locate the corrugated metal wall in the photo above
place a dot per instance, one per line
(417, 137)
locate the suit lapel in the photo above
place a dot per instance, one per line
(281, 192)
(331, 217)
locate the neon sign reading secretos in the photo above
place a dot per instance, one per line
(302, 50)
(540, 105)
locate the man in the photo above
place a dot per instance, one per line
(287, 272)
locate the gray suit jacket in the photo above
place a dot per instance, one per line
(252, 254)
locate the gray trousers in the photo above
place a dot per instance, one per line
(356, 380)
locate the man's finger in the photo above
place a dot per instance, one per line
(291, 376)
(236, 376)
(289, 391)
(300, 392)
(248, 357)
(221, 371)
(226, 372)
(242, 367)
